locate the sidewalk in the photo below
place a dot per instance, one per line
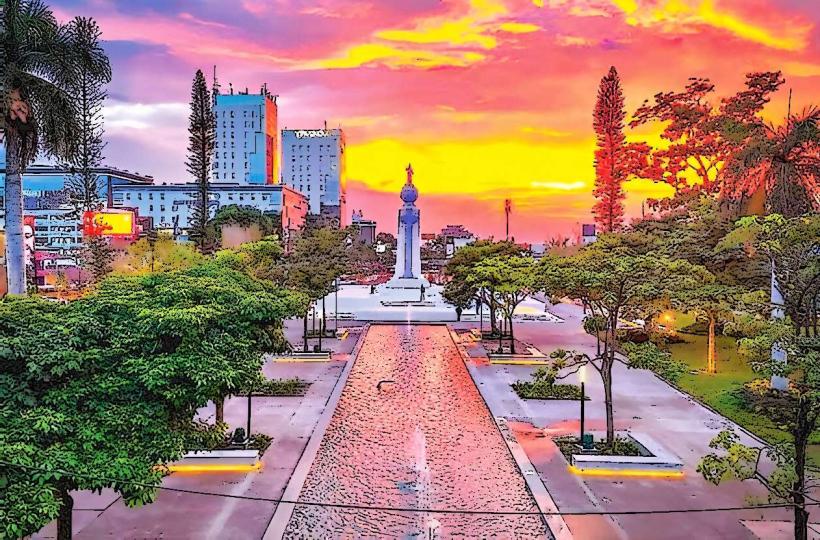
(642, 402)
(289, 420)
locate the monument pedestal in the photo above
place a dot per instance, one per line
(407, 283)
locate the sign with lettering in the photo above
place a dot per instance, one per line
(311, 133)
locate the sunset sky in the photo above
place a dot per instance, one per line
(488, 99)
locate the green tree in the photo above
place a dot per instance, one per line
(162, 255)
(89, 89)
(797, 409)
(97, 257)
(318, 258)
(713, 303)
(616, 277)
(512, 280)
(38, 112)
(459, 268)
(201, 140)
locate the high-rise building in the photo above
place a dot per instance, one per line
(246, 150)
(313, 162)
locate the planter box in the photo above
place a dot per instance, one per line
(300, 356)
(657, 461)
(237, 460)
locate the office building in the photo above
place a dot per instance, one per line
(171, 206)
(246, 149)
(313, 163)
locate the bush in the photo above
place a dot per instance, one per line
(543, 386)
(277, 387)
(620, 447)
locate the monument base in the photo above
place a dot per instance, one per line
(407, 283)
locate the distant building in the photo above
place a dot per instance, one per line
(366, 228)
(171, 206)
(246, 150)
(588, 233)
(455, 237)
(313, 163)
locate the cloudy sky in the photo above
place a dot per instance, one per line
(488, 99)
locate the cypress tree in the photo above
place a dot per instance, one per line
(201, 138)
(611, 168)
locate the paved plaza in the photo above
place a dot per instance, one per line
(422, 443)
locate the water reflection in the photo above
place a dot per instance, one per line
(425, 440)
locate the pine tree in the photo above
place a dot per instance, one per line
(200, 153)
(611, 168)
(93, 74)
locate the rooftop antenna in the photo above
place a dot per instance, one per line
(215, 86)
(325, 125)
(230, 85)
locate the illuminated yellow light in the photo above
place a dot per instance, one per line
(625, 472)
(215, 467)
(520, 362)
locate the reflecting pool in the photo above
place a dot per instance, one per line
(411, 431)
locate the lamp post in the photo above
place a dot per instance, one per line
(248, 431)
(582, 372)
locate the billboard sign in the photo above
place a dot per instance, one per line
(109, 223)
(28, 239)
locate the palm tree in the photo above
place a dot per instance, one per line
(782, 160)
(38, 64)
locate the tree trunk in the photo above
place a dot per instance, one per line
(324, 317)
(606, 378)
(15, 246)
(711, 360)
(802, 430)
(512, 337)
(64, 524)
(304, 337)
(220, 410)
(493, 323)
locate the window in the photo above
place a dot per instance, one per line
(162, 195)
(241, 197)
(233, 176)
(231, 117)
(128, 196)
(150, 196)
(139, 196)
(162, 208)
(151, 208)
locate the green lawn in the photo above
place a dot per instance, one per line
(717, 390)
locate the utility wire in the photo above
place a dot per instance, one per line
(459, 511)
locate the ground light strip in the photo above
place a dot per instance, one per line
(625, 472)
(416, 510)
(215, 467)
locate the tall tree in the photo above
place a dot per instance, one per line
(611, 155)
(38, 111)
(700, 136)
(201, 140)
(89, 88)
(783, 161)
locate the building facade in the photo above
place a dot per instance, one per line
(365, 228)
(246, 149)
(171, 206)
(313, 163)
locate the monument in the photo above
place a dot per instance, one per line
(408, 247)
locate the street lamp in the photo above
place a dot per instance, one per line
(582, 375)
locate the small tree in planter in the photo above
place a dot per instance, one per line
(615, 279)
(511, 280)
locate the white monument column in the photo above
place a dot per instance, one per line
(408, 249)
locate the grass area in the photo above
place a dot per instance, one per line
(719, 390)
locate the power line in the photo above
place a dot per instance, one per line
(459, 511)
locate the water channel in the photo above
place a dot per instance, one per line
(425, 440)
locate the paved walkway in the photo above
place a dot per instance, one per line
(642, 402)
(289, 420)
